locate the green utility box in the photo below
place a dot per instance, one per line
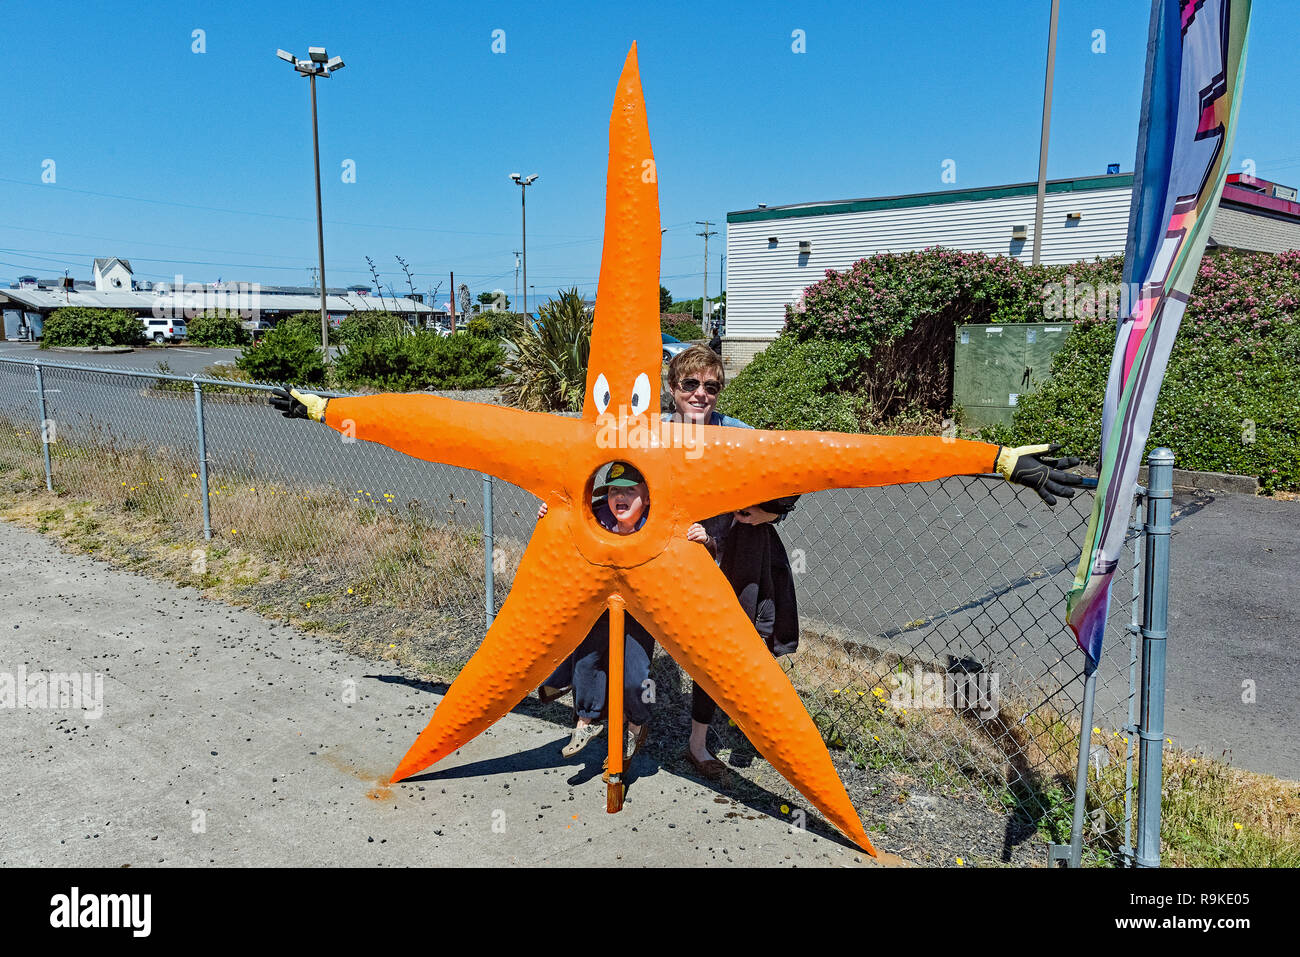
(994, 365)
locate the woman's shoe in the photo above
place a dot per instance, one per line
(546, 694)
(582, 736)
(713, 769)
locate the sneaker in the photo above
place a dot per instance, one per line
(582, 736)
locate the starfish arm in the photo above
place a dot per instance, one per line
(727, 469)
(537, 626)
(730, 661)
(523, 448)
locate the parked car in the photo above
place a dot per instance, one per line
(672, 346)
(162, 330)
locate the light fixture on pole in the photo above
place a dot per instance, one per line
(318, 63)
(524, 182)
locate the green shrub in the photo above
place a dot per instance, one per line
(290, 352)
(799, 385)
(419, 361)
(216, 329)
(548, 370)
(1230, 401)
(494, 324)
(364, 325)
(685, 330)
(308, 324)
(466, 362)
(83, 326)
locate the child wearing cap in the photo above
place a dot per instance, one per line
(621, 503)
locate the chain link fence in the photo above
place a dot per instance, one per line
(934, 647)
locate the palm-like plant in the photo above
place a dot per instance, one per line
(547, 371)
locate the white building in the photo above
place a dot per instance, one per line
(113, 275)
(774, 253)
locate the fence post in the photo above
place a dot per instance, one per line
(203, 461)
(45, 426)
(1074, 854)
(1134, 629)
(488, 598)
(1155, 617)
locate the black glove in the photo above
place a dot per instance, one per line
(293, 404)
(1031, 466)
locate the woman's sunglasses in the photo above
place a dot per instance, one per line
(712, 386)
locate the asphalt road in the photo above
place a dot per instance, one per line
(964, 568)
(182, 359)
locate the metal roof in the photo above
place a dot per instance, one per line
(42, 299)
(1108, 181)
(108, 261)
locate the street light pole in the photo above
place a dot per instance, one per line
(320, 224)
(317, 64)
(524, 182)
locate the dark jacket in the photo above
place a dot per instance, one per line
(757, 566)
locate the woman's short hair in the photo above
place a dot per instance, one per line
(691, 361)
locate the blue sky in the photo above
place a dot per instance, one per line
(200, 163)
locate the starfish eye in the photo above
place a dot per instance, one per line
(600, 392)
(641, 393)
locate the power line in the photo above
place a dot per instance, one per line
(249, 212)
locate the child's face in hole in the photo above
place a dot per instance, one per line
(628, 503)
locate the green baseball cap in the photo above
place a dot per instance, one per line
(620, 475)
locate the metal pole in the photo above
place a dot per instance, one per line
(1047, 125)
(1085, 752)
(1134, 628)
(1155, 619)
(523, 206)
(203, 462)
(488, 575)
(320, 225)
(614, 728)
(45, 426)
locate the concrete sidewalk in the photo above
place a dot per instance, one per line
(228, 740)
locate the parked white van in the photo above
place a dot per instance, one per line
(162, 330)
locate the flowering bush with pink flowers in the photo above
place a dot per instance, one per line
(1231, 396)
(892, 319)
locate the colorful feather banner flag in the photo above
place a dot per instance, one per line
(1196, 56)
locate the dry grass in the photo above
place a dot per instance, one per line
(393, 579)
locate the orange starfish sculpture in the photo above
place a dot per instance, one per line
(574, 569)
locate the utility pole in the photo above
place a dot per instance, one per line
(451, 301)
(704, 303)
(516, 303)
(1042, 142)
